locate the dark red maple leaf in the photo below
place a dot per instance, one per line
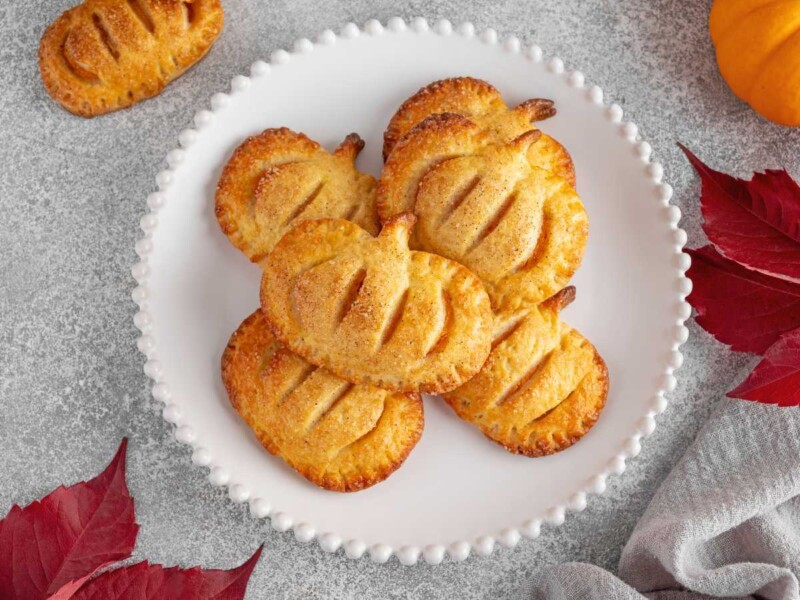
(755, 223)
(50, 547)
(776, 379)
(742, 308)
(144, 581)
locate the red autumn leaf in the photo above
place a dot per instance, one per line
(755, 223)
(776, 379)
(51, 546)
(144, 581)
(785, 213)
(742, 308)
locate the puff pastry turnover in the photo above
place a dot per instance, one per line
(279, 178)
(372, 311)
(520, 228)
(338, 435)
(541, 389)
(104, 55)
(483, 104)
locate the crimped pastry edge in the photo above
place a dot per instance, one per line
(328, 481)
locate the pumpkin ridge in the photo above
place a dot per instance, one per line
(770, 55)
(748, 14)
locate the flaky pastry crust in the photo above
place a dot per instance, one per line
(520, 228)
(338, 435)
(482, 103)
(542, 387)
(104, 55)
(279, 178)
(372, 311)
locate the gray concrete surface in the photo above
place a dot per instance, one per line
(72, 193)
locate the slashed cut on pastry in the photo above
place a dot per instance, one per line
(542, 387)
(104, 55)
(338, 435)
(278, 178)
(372, 311)
(482, 103)
(520, 228)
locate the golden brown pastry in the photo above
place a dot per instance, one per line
(482, 104)
(520, 228)
(340, 436)
(372, 311)
(104, 55)
(279, 178)
(541, 389)
(434, 141)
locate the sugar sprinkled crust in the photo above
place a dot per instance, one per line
(520, 228)
(439, 138)
(340, 436)
(543, 386)
(279, 178)
(104, 55)
(482, 103)
(372, 311)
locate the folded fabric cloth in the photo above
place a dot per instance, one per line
(725, 523)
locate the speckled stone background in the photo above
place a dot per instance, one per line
(71, 195)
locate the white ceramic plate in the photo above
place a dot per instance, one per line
(457, 492)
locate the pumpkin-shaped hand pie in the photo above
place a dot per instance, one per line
(372, 311)
(278, 178)
(542, 387)
(338, 435)
(104, 55)
(758, 52)
(520, 228)
(482, 104)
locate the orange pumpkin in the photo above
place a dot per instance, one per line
(758, 52)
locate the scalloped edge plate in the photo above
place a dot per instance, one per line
(457, 493)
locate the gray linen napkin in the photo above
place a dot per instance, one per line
(725, 522)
